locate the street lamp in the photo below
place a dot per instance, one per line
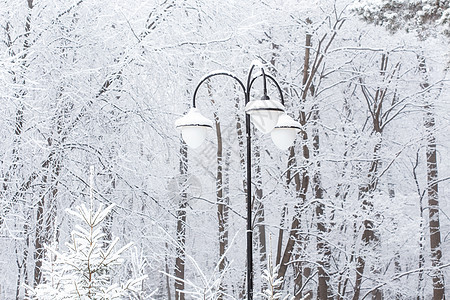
(266, 115)
(194, 127)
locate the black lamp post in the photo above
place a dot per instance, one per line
(267, 116)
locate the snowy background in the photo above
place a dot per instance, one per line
(357, 208)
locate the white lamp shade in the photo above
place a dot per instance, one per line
(194, 136)
(283, 138)
(264, 114)
(194, 127)
(284, 133)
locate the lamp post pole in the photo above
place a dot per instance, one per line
(249, 195)
(246, 89)
(267, 116)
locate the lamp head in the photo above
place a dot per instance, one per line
(194, 127)
(283, 135)
(264, 113)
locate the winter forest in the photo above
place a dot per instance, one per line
(100, 197)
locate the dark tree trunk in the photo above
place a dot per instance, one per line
(259, 215)
(432, 186)
(301, 182)
(375, 102)
(369, 235)
(433, 206)
(322, 247)
(222, 203)
(166, 262)
(181, 229)
(39, 240)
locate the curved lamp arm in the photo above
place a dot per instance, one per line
(246, 90)
(280, 91)
(217, 74)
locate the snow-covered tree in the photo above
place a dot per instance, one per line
(86, 269)
(423, 16)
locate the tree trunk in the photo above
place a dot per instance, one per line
(259, 214)
(301, 184)
(22, 267)
(397, 265)
(432, 186)
(47, 205)
(39, 240)
(433, 205)
(375, 103)
(421, 264)
(369, 236)
(323, 248)
(19, 80)
(222, 205)
(181, 228)
(166, 263)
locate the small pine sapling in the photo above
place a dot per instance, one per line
(86, 269)
(273, 281)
